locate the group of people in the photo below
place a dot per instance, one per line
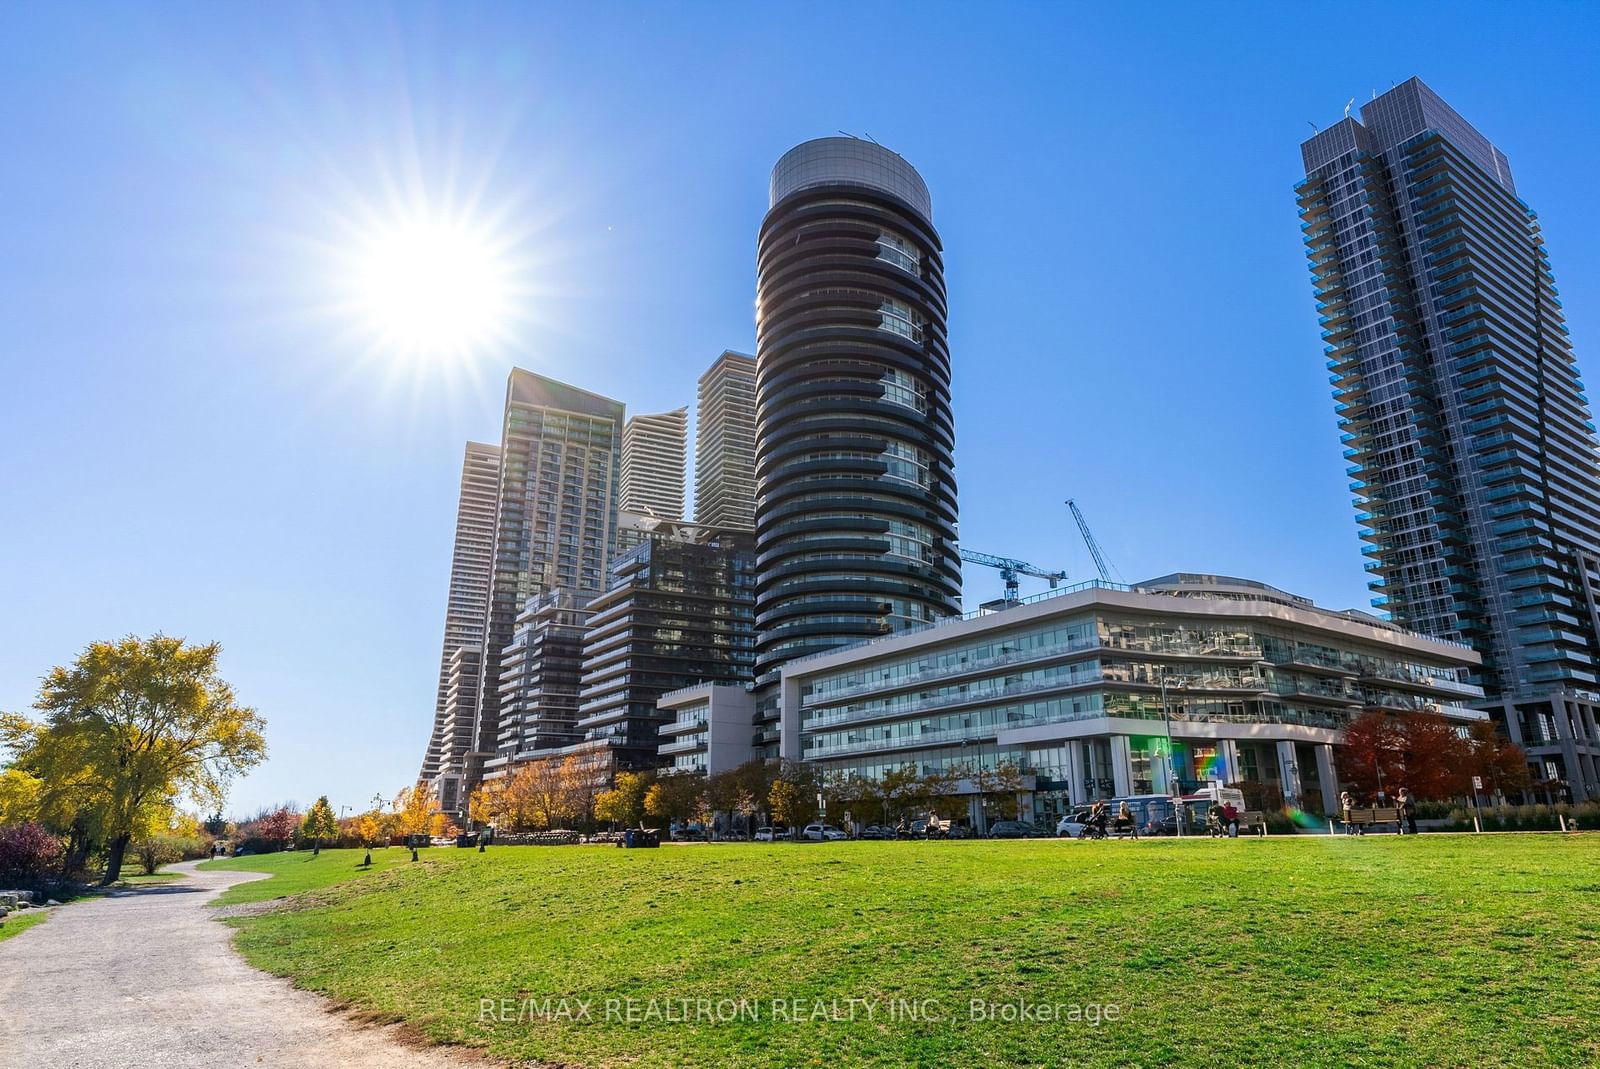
(1101, 820)
(1405, 806)
(935, 827)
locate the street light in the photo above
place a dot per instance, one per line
(1172, 767)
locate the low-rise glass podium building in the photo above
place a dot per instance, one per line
(1069, 687)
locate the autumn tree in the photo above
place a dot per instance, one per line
(543, 788)
(1499, 762)
(370, 828)
(128, 729)
(487, 804)
(677, 797)
(413, 808)
(19, 796)
(789, 804)
(319, 824)
(1438, 761)
(278, 827)
(1371, 756)
(581, 777)
(624, 802)
(441, 826)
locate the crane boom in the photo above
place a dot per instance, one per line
(1101, 564)
(1009, 570)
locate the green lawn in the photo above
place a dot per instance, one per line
(20, 921)
(1436, 950)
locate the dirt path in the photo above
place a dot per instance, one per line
(147, 977)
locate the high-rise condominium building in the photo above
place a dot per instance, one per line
(466, 607)
(725, 444)
(856, 494)
(1469, 436)
(679, 611)
(554, 525)
(539, 677)
(654, 453)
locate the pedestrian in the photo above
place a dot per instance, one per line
(716, 828)
(1347, 812)
(1125, 820)
(1408, 811)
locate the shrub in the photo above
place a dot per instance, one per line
(259, 844)
(28, 853)
(1585, 817)
(158, 850)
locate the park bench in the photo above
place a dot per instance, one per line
(1361, 819)
(1253, 822)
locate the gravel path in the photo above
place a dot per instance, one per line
(148, 977)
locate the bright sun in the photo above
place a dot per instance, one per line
(433, 288)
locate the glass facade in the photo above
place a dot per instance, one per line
(556, 513)
(679, 612)
(1472, 451)
(855, 488)
(1254, 673)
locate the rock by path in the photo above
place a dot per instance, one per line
(149, 977)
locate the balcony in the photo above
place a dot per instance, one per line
(1185, 650)
(682, 746)
(681, 727)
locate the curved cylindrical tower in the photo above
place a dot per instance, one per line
(855, 490)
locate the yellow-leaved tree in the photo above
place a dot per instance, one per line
(129, 729)
(414, 808)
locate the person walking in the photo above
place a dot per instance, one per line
(1347, 812)
(1408, 811)
(1125, 821)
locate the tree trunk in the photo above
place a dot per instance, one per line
(119, 847)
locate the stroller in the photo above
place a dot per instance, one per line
(1096, 826)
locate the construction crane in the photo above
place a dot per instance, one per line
(1102, 565)
(1009, 570)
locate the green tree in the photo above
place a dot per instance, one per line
(319, 824)
(128, 729)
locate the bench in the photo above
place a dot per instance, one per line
(1250, 822)
(1362, 819)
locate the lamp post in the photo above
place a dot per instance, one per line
(1172, 767)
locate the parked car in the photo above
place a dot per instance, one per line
(1071, 826)
(877, 831)
(820, 833)
(960, 831)
(1011, 829)
(770, 835)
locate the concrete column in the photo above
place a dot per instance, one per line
(789, 720)
(1329, 779)
(1077, 791)
(1289, 772)
(1121, 766)
(1228, 750)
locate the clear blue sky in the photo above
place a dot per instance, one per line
(192, 442)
